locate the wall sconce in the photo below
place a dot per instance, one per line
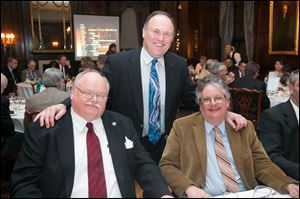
(7, 39)
(55, 44)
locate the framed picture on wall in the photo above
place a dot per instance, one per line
(284, 27)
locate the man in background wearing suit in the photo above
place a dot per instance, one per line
(30, 72)
(147, 85)
(11, 74)
(89, 152)
(278, 130)
(204, 156)
(250, 81)
(64, 66)
(48, 97)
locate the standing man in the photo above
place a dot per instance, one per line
(147, 85)
(278, 130)
(90, 152)
(231, 54)
(11, 74)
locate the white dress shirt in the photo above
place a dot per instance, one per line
(296, 109)
(80, 186)
(62, 69)
(145, 72)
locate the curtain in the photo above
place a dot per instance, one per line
(249, 10)
(226, 24)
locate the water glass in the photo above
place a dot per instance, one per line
(262, 191)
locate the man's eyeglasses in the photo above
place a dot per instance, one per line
(217, 99)
(89, 95)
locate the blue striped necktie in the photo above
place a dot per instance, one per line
(154, 105)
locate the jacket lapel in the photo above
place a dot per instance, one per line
(117, 149)
(134, 74)
(65, 145)
(290, 116)
(200, 141)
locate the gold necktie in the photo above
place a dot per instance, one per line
(224, 165)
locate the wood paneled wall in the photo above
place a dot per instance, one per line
(198, 22)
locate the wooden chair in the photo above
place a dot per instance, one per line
(242, 100)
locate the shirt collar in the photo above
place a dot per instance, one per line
(80, 123)
(209, 127)
(10, 69)
(146, 57)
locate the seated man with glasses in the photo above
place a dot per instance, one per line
(89, 152)
(204, 157)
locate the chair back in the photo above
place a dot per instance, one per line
(243, 101)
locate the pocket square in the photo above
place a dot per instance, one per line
(128, 143)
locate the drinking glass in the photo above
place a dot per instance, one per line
(262, 191)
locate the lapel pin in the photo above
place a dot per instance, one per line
(114, 124)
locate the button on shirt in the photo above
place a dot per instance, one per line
(145, 73)
(80, 186)
(214, 183)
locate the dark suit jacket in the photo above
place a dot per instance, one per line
(11, 86)
(46, 164)
(184, 161)
(278, 131)
(123, 71)
(251, 83)
(7, 125)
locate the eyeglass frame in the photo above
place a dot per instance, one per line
(89, 96)
(208, 100)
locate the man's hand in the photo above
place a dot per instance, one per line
(195, 192)
(293, 190)
(236, 121)
(48, 115)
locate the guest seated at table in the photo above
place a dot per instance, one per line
(11, 141)
(48, 97)
(90, 152)
(279, 68)
(250, 81)
(220, 70)
(205, 157)
(10, 71)
(200, 69)
(87, 65)
(278, 130)
(30, 72)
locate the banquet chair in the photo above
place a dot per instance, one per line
(242, 101)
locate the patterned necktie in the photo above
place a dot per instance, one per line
(226, 170)
(154, 105)
(97, 185)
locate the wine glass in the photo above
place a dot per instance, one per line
(262, 191)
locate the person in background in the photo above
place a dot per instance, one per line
(279, 68)
(10, 71)
(89, 153)
(112, 49)
(52, 64)
(200, 69)
(154, 81)
(51, 95)
(101, 61)
(278, 130)
(87, 65)
(65, 67)
(231, 54)
(84, 59)
(220, 70)
(204, 157)
(30, 72)
(241, 70)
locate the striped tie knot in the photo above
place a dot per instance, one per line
(154, 61)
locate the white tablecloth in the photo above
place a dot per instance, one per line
(249, 194)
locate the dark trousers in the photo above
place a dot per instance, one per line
(154, 150)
